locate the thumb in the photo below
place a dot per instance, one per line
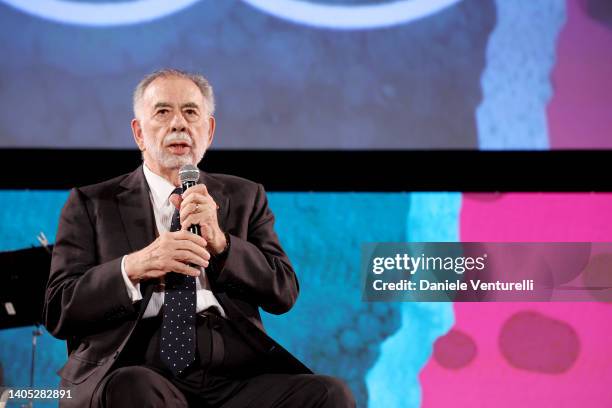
(176, 200)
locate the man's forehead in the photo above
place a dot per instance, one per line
(173, 89)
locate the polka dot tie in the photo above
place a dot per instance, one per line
(177, 345)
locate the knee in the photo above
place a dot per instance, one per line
(336, 393)
(128, 380)
(139, 386)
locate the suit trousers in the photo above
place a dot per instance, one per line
(227, 372)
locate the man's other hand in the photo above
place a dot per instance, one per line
(170, 252)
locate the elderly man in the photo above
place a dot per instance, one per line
(157, 316)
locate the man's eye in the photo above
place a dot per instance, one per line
(191, 112)
(162, 112)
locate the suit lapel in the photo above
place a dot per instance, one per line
(137, 217)
(136, 210)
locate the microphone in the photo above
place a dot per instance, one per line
(189, 176)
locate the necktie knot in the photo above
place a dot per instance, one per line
(178, 190)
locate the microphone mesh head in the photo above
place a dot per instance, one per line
(189, 173)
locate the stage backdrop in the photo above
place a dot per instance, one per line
(401, 74)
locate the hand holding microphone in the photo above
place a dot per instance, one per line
(198, 210)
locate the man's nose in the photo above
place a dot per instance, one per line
(178, 123)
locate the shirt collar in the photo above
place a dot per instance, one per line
(159, 186)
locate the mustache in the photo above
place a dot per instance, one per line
(177, 137)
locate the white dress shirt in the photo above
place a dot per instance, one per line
(160, 190)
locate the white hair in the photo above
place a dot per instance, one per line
(201, 82)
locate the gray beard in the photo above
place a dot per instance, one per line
(171, 161)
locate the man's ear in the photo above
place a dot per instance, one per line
(211, 129)
(137, 132)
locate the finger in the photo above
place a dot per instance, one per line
(190, 198)
(206, 232)
(194, 246)
(190, 257)
(196, 249)
(203, 220)
(188, 221)
(188, 209)
(204, 200)
(193, 219)
(197, 189)
(176, 200)
(203, 203)
(183, 235)
(185, 269)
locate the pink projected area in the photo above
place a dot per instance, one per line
(579, 113)
(526, 354)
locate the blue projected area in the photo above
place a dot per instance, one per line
(292, 74)
(322, 233)
(288, 74)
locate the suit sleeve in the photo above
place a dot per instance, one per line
(82, 295)
(257, 268)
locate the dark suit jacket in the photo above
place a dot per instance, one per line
(86, 300)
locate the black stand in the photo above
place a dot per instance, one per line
(24, 275)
